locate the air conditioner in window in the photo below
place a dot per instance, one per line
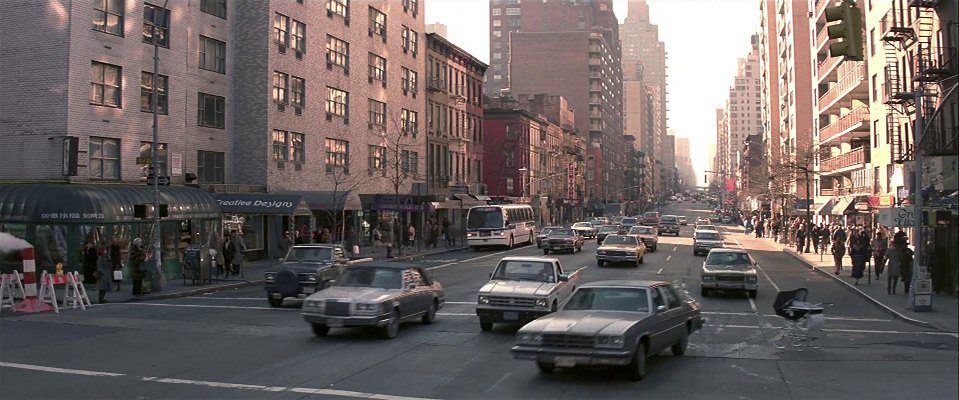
(329, 64)
(299, 55)
(329, 13)
(329, 168)
(346, 121)
(329, 116)
(384, 37)
(405, 49)
(370, 32)
(369, 125)
(280, 165)
(298, 110)
(298, 167)
(281, 48)
(369, 79)
(384, 84)
(346, 71)
(346, 21)
(280, 107)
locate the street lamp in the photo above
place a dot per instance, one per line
(154, 150)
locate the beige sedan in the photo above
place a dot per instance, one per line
(621, 248)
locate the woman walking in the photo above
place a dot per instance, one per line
(859, 251)
(137, 256)
(104, 275)
(879, 246)
(893, 258)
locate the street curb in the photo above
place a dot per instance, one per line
(432, 253)
(869, 298)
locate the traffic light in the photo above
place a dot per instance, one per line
(848, 29)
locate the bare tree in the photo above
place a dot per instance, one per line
(345, 178)
(399, 161)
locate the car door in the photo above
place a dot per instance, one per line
(674, 317)
(416, 294)
(658, 328)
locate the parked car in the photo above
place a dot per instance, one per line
(618, 323)
(648, 235)
(522, 289)
(621, 248)
(585, 229)
(669, 224)
(305, 269)
(651, 218)
(607, 230)
(729, 269)
(563, 239)
(628, 222)
(543, 233)
(704, 241)
(380, 295)
(682, 220)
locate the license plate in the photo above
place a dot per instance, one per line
(510, 315)
(309, 290)
(564, 362)
(485, 240)
(334, 323)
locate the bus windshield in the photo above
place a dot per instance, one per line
(485, 218)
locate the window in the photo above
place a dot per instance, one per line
(108, 16)
(105, 80)
(337, 155)
(214, 7)
(497, 22)
(337, 52)
(337, 102)
(211, 110)
(339, 7)
(298, 147)
(411, 6)
(377, 113)
(146, 151)
(299, 36)
(377, 23)
(875, 87)
(377, 67)
(212, 55)
(377, 160)
(156, 21)
(497, 11)
(281, 83)
(409, 121)
(281, 30)
(409, 162)
(281, 145)
(104, 158)
(209, 167)
(512, 11)
(146, 92)
(299, 92)
(409, 40)
(409, 80)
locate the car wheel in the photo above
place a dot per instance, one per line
(679, 348)
(320, 330)
(637, 368)
(752, 294)
(392, 326)
(430, 315)
(641, 260)
(274, 302)
(545, 367)
(600, 263)
(704, 292)
(486, 326)
(554, 307)
(546, 251)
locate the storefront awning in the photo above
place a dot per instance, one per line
(258, 203)
(77, 203)
(825, 208)
(322, 200)
(841, 206)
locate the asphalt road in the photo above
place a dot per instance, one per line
(231, 344)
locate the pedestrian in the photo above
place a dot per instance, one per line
(801, 238)
(859, 251)
(238, 247)
(137, 270)
(906, 260)
(227, 252)
(434, 233)
(838, 250)
(411, 235)
(326, 236)
(446, 232)
(377, 239)
(879, 246)
(287, 243)
(104, 275)
(90, 255)
(893, 259)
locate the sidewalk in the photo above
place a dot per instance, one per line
(252, 274)
(945, 308)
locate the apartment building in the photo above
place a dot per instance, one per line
(684, 164)
(772, 140)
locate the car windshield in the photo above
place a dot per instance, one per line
(382, 278)
(629, 221)
(729, 260)
(561, 232)
(582, 225)
(609, 299)
(707, 236)
(536, 271)
(651, 215)
(596, 223)
(641, 230)
(545, 231)
(310, 254)
(668, 219)
(619, 239)
(485, 218)
(705, 227)
(609, 228)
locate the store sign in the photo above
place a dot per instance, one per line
(257, 203)
(897, 217)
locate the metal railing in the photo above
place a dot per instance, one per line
(845, 191)
(827, 65)
(849, 78)
(856, 117)
(857, 156)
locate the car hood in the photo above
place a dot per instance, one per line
(357, 294)
(517, 288)
(719, 269)
(618, 247)
(302, 267)
(709, 242)
(585, 322)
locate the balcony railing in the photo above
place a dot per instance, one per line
(821, 5)
(845, 123)
(822, 37)
(827, 65)
(854, 157)
(850, 78)
(845, 191)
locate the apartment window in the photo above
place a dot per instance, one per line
(156, 21)
(104, 158)
(146, 92)
(377, 67)
(337, 102)
(214, 7)
(410, 162)
(377, 22)
(411, 6)
(377, 113)
(337, 52)
(211, 110)
(108, 16)
(512, 11)
(210, 166)
(872, 42)
(281, 145)
(281, 83)
(409, 39)
(409, 80)
(497, 11)
(105, 84)
(875, 87)
(299, 36)
(875, 133)
(409, 121)
(297, 147)
(212, 55)
(281, 29)
(338, 7)
(146, 151)
(377, 159)
(497, 34)
(337, 155)
(497, 56)
(497, 22)
(299, 92)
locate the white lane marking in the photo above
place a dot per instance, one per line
(675, 247)
(771, 282)
(668, 257)
(953, 334)
(205, 306)
(58, 370)
(752, 304)
(226, 385)
(660, 272)
(728, 313)
(840, 330)
(223, 298)
(776, 316)
(474, 258)
(498, 381)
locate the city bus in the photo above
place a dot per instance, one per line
(500, 225)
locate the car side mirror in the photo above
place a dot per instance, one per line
(660, 309)
(563, 278)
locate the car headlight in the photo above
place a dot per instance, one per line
(470, 234)
(318, 305)
(364, 308)
(751, 279)
(483, 299)
(610, 341)
(502, 233)
(311, 277)
(270, 276)
(708, 278)
(530, 338)
(541, 302)
(601, 252)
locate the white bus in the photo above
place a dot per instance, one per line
(500, 225)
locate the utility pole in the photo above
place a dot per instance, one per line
(154, 153)
(917, 301)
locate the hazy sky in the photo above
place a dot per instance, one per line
(703, 39)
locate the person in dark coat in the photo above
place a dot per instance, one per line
(137, 269)
(90, 255)
(838, 248)
(801, 238)
(104, 275)
(227, 253)
(860, 252)
(879, 246)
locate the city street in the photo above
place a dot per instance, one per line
(232, 344)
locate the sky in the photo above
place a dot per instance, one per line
(703, 39)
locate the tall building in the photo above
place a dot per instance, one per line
(586, 36)
(769, 80)
(743, 111)
(684, 164)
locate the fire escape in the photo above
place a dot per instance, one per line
(914, 66)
